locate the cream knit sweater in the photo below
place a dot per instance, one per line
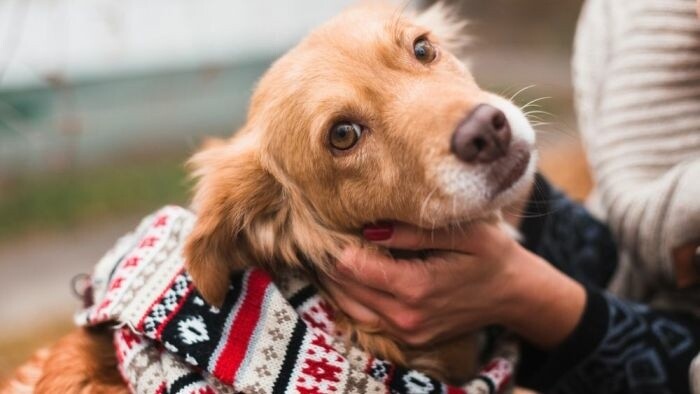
(637, 79)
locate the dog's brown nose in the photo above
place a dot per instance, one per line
(483, 136)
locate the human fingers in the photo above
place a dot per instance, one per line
(466, 238)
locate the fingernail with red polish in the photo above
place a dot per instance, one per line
(378, 232)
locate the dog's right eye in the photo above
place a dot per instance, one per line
(424, 50)
(345, 135)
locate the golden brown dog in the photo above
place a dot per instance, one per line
(370, 118)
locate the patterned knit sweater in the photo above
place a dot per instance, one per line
(267, 337)
(637, 79)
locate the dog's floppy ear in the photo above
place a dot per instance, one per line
(445, 22)
(232, 194)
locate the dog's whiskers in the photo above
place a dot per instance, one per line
(424, 206)
(520, 91)
(458, 224)
(533, 102)
(540, 112)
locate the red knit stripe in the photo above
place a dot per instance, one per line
(242, 328)
(368, 366)
(162, 389)
(454, 390)
(139, 325)
(171, 315)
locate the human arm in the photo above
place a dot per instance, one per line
(638, 111)
(575, 337)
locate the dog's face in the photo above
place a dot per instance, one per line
(370, 118)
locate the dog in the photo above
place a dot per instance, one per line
(371, 117)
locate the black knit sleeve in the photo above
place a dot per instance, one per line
(566, 235)
(618, 346)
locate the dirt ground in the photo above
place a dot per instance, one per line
(35, 275)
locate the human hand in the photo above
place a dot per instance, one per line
(686, 260)
(447, 294)
(470, 278)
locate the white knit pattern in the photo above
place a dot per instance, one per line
(637, 78)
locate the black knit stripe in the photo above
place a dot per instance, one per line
(406, 381)
(214, 321)
(183, 382)
(290, 358)
(302, 296)
(223, 327)
(489, 382)
(235, 291)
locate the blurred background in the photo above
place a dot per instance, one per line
(101, 102)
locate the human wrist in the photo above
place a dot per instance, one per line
(515, 297)
(542, 305)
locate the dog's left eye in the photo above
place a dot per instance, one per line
(424, 50)
(345, 135)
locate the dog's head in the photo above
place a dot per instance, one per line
(370, 118)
